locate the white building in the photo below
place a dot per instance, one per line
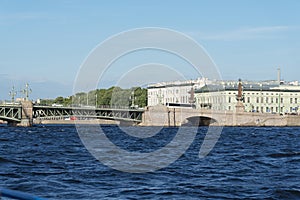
(264, 97)
(177, 92)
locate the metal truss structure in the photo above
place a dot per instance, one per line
(52, 112)
(11, 112)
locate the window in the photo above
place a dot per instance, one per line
(248, 99)
(272, 101)
(276, 100)
(257, 99)
(229, 99)
(291, 100)
(267, 100)
(296, 100)
(262, 100)
(229, 107)
(281, 100)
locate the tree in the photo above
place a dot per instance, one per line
(113, 96)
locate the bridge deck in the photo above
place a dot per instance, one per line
(119, 114)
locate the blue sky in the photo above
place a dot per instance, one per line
(45, 42)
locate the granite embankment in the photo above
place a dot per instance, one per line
(165, 116)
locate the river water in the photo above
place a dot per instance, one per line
(246, 163)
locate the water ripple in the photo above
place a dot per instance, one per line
(246, 163)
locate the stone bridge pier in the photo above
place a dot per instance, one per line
(27, 114)
(168, 116)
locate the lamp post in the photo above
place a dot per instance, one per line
(13, 94)
(26, 91)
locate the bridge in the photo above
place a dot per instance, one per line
(23, 114)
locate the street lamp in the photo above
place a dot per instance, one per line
(26, 91)
(13, 93)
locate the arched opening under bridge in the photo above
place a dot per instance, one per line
(201, 121)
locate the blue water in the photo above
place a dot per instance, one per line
(246, 163)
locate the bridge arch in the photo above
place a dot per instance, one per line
(201, 120)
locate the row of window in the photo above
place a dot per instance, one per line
(154, 101)
(247, 100)
(276, 94)
(272, 109)
(268, 100)
(169, 91)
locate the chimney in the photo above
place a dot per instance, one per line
(278, 75)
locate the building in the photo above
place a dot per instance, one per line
(177, 92)
(264, 97)
(275, 96)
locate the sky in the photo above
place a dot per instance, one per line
(46, 42)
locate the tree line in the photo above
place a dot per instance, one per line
(112, 97)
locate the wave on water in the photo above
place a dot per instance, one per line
(284, 154)
(246, 163)
(291, 194)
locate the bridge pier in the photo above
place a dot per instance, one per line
(27, 114)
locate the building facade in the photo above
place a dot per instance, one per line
(177, 92)
(263, 97)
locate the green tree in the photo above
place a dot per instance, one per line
(113, 96)
(59, 100)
